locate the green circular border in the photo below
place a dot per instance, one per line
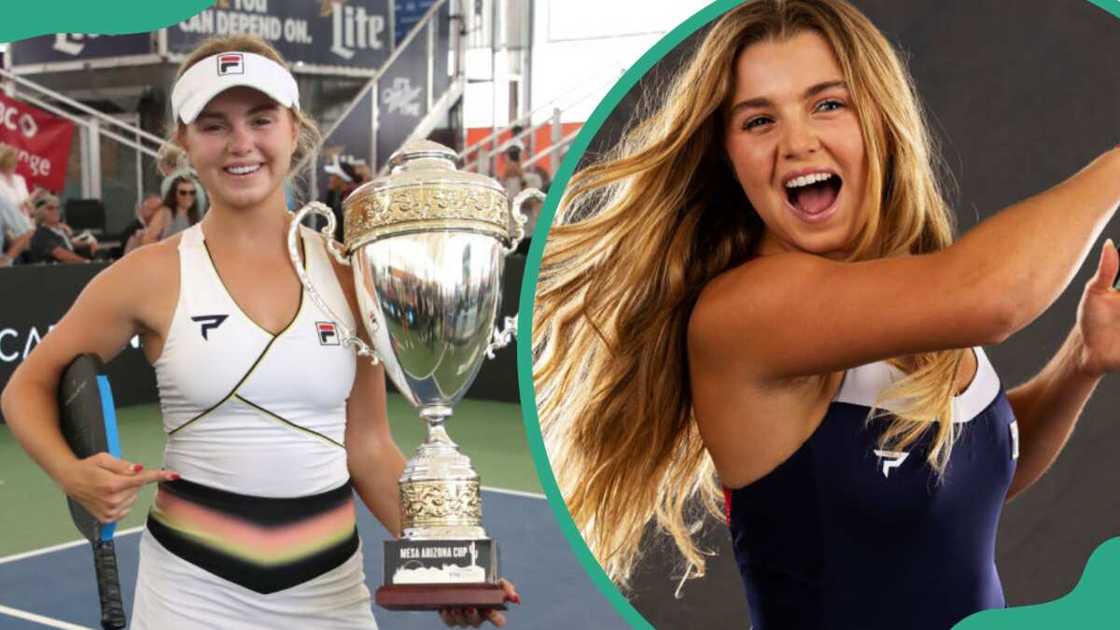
(1107, 556)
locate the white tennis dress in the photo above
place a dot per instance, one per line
(251, 413)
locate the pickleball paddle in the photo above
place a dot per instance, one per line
(89, 424)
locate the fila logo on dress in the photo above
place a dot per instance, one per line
(231, 63)
(891, 459)
(208, 323)
(328, 335)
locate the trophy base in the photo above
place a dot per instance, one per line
(434, 574)
(439, 596)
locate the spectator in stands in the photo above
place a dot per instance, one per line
(544, 178)
(364, 175)
(344, 178)
(513, 176)
(170, 159)
(172, 163)
(52, 241)
(16, 231)
(515, 138)
(178, 212)
(13, 188)
(133, 235)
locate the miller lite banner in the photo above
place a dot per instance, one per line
(64, 47)
(43, 141)
(354, 33)
(390, 107)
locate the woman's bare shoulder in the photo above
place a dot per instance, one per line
(739, 291)
(146, 270)
(755, 277)
(153, 258)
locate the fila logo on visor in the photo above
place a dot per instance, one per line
(327, 334)
(231, 63)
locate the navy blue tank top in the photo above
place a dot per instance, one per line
(845, 535)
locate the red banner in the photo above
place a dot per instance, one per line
(43, 141)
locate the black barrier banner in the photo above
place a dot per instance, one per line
(355, 33)
(402, 97)
(34, 298)
(407, 14)
(76, 47)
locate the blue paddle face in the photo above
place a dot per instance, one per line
(88, 421)
(112, 440)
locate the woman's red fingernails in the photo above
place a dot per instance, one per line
(516, 599)
(174, 476)
(137, 467)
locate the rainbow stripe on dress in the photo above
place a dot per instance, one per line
(264, 544)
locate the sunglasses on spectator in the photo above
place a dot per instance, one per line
(186, 193)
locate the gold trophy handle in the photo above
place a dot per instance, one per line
(519, 217)
(348, 336)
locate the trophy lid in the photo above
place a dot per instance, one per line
(410, 154)
(424, 191)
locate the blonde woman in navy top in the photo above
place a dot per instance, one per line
(756, 297)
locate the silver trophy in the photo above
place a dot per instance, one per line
(427, 244)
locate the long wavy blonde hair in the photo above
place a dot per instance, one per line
(644, 229)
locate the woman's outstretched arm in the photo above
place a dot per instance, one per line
(995, 280)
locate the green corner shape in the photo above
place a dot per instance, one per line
(1112, 6)
(1091, 604)
(94, 17)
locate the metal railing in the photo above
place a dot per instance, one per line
(120, 191)
(559, 147)
(482, 155)
(36, 94)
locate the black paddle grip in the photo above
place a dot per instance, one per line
(108, 585)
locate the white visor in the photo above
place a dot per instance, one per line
(336, 170)
(218, 73)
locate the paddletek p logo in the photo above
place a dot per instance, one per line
(209, 322)
(327, 334)
(231, 63)
(891, 459)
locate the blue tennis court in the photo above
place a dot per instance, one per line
(55, 587)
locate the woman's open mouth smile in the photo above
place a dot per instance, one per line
(812, 197)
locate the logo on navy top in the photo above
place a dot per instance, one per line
(328, 336)
(209, 322)
(891, 459)
(231, 63)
